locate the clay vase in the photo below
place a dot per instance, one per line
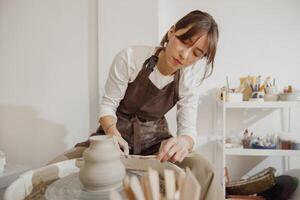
(102, 169)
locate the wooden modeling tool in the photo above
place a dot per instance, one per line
(136, 188)
(154, 184)
(146, 187)
(170, 185)
(127, 189)
(191, 188)
(180, 181)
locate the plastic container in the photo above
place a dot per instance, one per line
(295, 143)
(257, 146)
(295, 146)
(285, 142)
(234, 97)
(271, 90)
(271, 97)
(288, 96)
(257, 96)
(246, 143)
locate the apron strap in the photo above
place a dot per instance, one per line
(151, 62)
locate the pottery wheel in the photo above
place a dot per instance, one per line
(70, 188)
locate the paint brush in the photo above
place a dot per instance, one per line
(227, 83)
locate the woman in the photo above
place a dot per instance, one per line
(144, 83)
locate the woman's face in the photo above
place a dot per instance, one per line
(180, 54)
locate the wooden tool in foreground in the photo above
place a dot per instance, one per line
(191, 189)
(148, 187)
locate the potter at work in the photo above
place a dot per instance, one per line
(144, 83)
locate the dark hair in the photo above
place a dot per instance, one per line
(201, 23)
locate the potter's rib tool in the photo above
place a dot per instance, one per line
(191, 188)
(154, 183)
(139, 157)
(170, 184)
(136, 188)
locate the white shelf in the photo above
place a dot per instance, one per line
(285, 117)
(261, 152)
(264, 104)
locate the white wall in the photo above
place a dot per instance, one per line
(123, 24)
(48, 77)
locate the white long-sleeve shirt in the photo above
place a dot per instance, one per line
(125, 68)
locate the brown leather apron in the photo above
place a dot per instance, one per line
(140, 114)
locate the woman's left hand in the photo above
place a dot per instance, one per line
(175, 149)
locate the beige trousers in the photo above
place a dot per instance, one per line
(210, 184)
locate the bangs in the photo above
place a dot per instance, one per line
(192, 32)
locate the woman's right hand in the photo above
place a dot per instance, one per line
(108, 124)
(121, 144)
